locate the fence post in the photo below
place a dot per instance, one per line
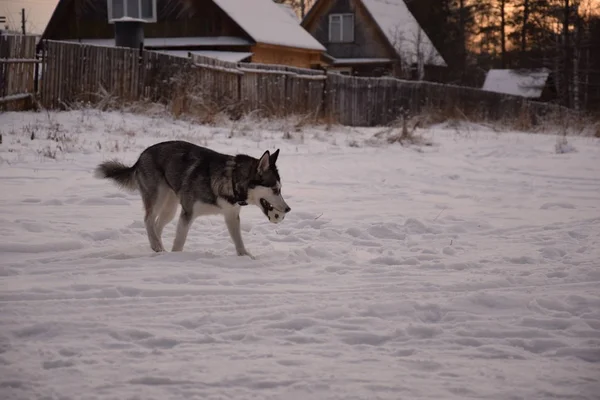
(36, 73)
(239, 89)
(324, 107)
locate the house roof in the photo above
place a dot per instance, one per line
(267, 22)
(188, 41)
(528, 83)
(229, 56)
(403, 31)
(362, 60)
(263, 20)
(399, 27)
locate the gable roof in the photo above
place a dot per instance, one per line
(399, 27)
(267, 22)
(281, 27)
(527, 83)
(403, 31)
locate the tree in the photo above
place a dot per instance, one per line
(300, 6)
(450, 24)
(524, 26)
(503, 4)
(414, 54)
(490, 31)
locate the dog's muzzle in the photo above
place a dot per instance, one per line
(275, 216)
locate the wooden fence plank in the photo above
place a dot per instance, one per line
(17, 68)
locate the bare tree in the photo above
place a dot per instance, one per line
(412, 51)
(300, 6)
(503, 31)
(567, 54)
(524, 26)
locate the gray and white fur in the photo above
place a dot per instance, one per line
(204, 182)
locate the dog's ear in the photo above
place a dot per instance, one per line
(273, 158)
(264, 162)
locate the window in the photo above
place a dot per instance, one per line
(138, 9)
(341, 28)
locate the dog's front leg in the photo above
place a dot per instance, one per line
(232, 220)
(183, 227)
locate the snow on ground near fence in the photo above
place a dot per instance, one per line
(468, 269)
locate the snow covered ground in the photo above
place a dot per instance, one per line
(468, 269)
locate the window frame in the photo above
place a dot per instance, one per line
(112, 19)
(340, 17)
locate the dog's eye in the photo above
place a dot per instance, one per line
(276, 191)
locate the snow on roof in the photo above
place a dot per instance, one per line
(127, 19)
(402, 30)
(266, 22)
(231, 56)
(521, 83)
(337, 61)
(175, 42)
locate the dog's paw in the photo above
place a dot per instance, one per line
(158, 248)
(244, 252)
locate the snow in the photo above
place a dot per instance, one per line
(14, 97)
(174, 41)
(129, 19)
(280, 29)
(520, 83)
(361, 60)
(230, 56)
(467, 269)
(403, 31)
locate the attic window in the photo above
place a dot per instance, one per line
(341, 28)
(136, 9)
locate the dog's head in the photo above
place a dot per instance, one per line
(264, 190)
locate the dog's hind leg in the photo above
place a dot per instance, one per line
(232, 220)
(167, 212)
(154, 200)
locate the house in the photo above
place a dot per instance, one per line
(372, 38)
(530, 83)
(258, 31)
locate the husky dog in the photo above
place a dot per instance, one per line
(204, 182)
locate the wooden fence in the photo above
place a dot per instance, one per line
(17, 71)
(75, 72)
(358, 101)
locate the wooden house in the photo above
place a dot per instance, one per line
(373, 38)
(259, 31)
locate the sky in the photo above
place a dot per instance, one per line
(37, 13)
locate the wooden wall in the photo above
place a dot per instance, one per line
(265, 54)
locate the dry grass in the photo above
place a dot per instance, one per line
(192, 100)
(403, 131)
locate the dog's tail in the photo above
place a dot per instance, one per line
(123, 175)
